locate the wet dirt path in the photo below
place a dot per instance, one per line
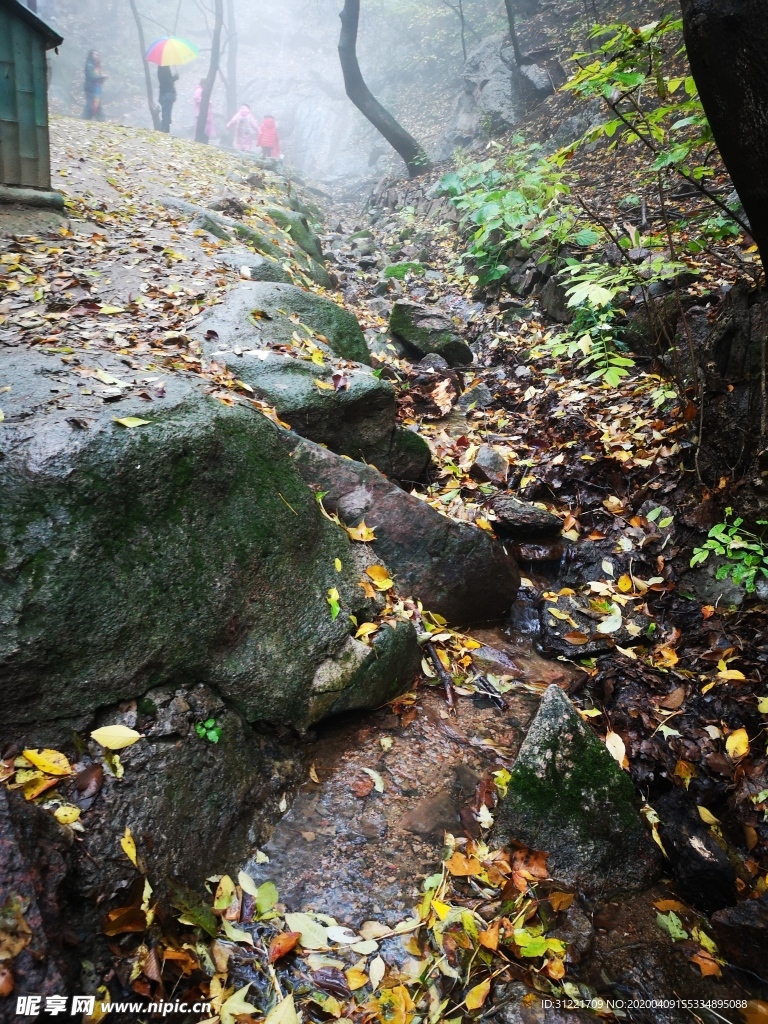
(358, 845)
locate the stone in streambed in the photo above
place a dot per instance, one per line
(455, 569)
(426, 329)
(705, 876)
(520, 520)
(257, 314)
(568, 797)
(490, 467)
(742, 934)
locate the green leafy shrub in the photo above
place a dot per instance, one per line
(746, 552)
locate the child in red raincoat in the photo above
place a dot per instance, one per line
(268, 138)
(246, 129)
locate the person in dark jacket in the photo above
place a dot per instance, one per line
(166, 96)
(93, 86)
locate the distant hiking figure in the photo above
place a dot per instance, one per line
(268, 138)
(246, 129)
(209, 126)
(166, 80)
(93, 86)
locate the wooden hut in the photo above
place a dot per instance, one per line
(24, 150)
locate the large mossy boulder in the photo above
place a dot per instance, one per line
(297, 226)
(426, 329)
(568, 797)
(455, 569)
(354, 415)
(185, 548)
(262, 314)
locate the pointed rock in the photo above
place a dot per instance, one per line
(569, 797)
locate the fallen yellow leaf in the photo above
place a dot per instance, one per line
(52, 762)
(361, 533)
(66, 814)
(737, 744)
(477, 995)
(128, 844)
(115, 737)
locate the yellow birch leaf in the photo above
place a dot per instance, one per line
(131, 421)
(616, 748)
(366, 629)
(356, 978)
(115, 737)
(625, 583)
(477, 995)
(49, 761)
(737, 744)
(707, 816)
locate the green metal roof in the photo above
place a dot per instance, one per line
(51, 36)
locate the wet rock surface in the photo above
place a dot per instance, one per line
(705, 876)
(568, 797)
(365, 853)
(742, 935)
(426, 329)
(454, 568)
(174, 601)
(35, 860)
(262, 314)
(522, 520)
(343, 407)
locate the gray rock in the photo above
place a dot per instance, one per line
(261, 268)
(489, 81)
(358, 420)
(186, 548)
(426, 329)
(490, 467)
(554, 301)
(520, 520)
(568, 797)
(255, 315)
(478, 397)
(742, 934)
(455, 569)
(577, 933)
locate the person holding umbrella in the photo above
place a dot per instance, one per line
(168, 53)
(166, 80)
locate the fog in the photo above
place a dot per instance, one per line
(287, 66)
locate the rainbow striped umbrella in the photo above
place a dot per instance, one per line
(172, 51)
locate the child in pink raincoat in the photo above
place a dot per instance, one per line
(246, 129)
(269, 139)
(198, 98)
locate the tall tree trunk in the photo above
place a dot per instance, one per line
(213, 69)
(416, 160)
(153, 110)
(511, 18)
(727, 43)
(232, 41)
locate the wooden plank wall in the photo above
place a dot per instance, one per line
(24, 153)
